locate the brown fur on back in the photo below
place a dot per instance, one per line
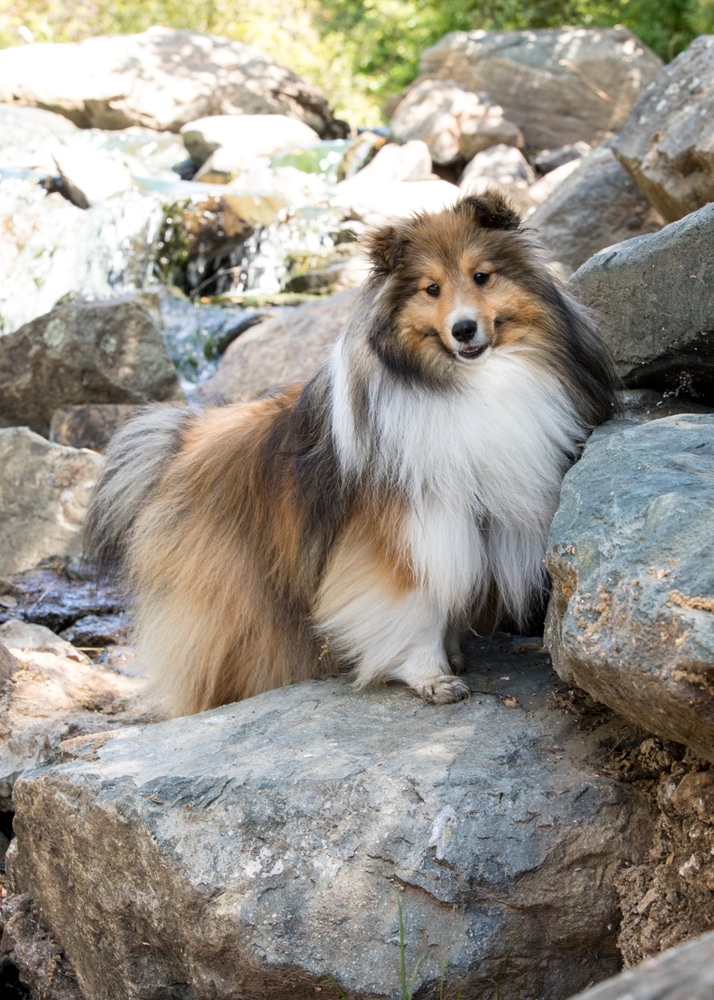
(225, 527)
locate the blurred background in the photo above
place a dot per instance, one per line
(358, 51)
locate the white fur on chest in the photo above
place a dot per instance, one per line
(481, 466)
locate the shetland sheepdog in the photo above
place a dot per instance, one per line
(360, 520)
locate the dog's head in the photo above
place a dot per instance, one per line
(459, 283)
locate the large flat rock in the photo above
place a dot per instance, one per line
(261, 848)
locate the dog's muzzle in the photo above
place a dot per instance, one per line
(466, 332)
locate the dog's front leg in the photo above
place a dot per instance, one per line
(385, 631)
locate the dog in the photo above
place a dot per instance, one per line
(362, 519)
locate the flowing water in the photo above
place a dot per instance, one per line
(164, 236)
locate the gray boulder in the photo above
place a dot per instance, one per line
(551, 182)
(89, 425)
(547, 160)
(666, 142)
(90, 176)
(410, 161)
(44, 492)
(504, 167)
(374, 204)
(52, 692)
(454, 122)
(596, 206)
(683, 972)
(27, 136)
(38, 251)
(161, 79)
(293, 828)
(83, 352)
(558, 85)
(287, 346)
(654, 300)
(631, 553)
(247, 136)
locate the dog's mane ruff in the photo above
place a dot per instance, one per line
(576, 353)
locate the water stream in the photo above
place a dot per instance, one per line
(186, 244)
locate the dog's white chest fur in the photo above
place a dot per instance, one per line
(481, 468)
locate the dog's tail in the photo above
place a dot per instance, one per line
(135, 461)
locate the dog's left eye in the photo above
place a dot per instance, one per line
(481, 277)
(433, 291)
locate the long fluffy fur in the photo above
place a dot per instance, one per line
(359, 520)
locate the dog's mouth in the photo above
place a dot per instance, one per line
(470, 351)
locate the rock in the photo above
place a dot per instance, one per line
(161, 78)
(247, 136)
(291, 827)
(666, 142)
(83, 352)
(686, 971)
(654, 300)
(44, 492)
(56, 692)
(89, 176)
(559, 85)
(394, 162)
(45, 969)
(28, 134)
(287, 346)
(551, 182)
(547, 160)
(39, 237)
(454, 122)
(8, 664)
(358, 198)
(631, 617)
(340, 270)
(595, 207)
(88, 425)
(69, 600)
(504, 167)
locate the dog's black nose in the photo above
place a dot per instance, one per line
(464, 330)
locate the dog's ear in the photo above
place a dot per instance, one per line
(384, 248)
(490, 210)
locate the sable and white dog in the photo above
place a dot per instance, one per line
(361, 519)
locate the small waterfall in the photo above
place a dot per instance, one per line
(119, 243)
(239, 243)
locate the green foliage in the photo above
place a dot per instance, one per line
(358, 51)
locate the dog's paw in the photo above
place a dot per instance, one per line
(442, 689)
